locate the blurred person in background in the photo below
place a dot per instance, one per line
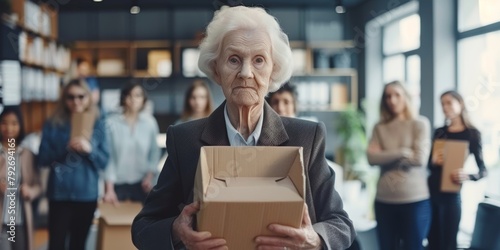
(400, 145)
(284, 100)
(134, 152)
(83, 71)
(447, 207)
(248, 55)
(74, 165)
(19, 176)
(198, 102)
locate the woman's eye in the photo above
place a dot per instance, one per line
(259, 60)
(233, 60)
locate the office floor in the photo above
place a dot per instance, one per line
(41, 238)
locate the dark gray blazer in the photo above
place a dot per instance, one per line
(151, 228)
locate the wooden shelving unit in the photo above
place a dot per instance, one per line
(40, 25)
(333, 76)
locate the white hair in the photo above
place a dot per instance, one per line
(228, 19)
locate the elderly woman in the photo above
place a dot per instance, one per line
(248, 55)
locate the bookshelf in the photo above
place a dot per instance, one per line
(32, 61)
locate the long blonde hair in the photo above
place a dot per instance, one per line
(62, 113)
(386, 114)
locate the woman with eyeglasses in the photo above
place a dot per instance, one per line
(74, 164)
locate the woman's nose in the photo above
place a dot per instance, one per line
(246, 70)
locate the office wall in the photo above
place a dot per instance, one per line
(182, 24)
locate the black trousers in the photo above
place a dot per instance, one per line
(132, 192)
(70, 221)
(446, 213)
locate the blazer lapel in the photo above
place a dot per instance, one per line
(273, 131)
(215, 132)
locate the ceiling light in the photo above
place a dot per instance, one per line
(97, 1)
(339, 7)
(135, 9)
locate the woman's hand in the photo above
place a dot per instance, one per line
(27, 192)
(438, 158)
(182, 230)
(458, 177)
(81, 145)
(147, 183)
(292, 238)
(3, 186)
(110, 197)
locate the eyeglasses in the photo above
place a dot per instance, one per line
(73, 97)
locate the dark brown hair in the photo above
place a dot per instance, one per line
(287, 87)
(17, 112)
(127, 90)
(464, 114)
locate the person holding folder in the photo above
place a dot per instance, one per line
(75, 148)
(446, 205)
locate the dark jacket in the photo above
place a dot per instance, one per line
(73, 176)
(153, 225)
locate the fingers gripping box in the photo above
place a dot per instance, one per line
(242, 190)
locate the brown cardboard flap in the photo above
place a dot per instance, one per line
(252, 189)
(455, 155)
(244, 189)
(123, 215)
(82, 124)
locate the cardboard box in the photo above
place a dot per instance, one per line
(455, 154)
(115, 225)
(242, 190)
(82, 124)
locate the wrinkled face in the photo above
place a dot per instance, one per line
(199, 100)
(244, 66)
(77, 99)
(9, 126)
(283, 104)
(395, 99)
(135, 100)
(451, 107)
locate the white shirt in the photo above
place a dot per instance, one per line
(236, 139)
(134, 152)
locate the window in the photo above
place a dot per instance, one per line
(401, 40)
(477, 13)
(479, 82)
(402, 35)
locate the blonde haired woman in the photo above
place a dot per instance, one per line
(400, 145)
(74, 164)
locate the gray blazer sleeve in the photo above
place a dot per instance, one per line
(152, 227)
(332, 222)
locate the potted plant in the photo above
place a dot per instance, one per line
(351, 154)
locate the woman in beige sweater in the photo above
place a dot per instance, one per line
(400, 145)
(19, 184)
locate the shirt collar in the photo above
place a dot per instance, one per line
(236, 139)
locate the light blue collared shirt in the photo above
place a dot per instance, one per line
(236, 139)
